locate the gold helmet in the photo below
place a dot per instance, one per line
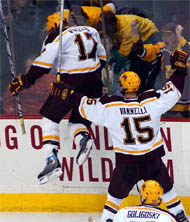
(53, 20)
(130, 81)
(93, 13)
(151, 192)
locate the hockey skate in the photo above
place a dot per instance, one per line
(85, 147)
(52, 169)
(181, 217)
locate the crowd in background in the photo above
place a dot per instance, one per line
(26, 28)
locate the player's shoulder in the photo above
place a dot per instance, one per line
(161, 212)
(148, 95)
(167, 213)
(110, 98)
(51, 37)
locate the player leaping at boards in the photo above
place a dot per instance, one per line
(133, 122)
(83, 57)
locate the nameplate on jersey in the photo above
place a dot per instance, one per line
(142, 214)
(78, 29)
(133, 111)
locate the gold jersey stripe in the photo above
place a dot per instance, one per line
(172, 201)
(79, 130)
(102, 56)
(109, 203)
(50, 137)
(82, 109)
(131, 104)
(139, 151)
(82, 69)
(42, 63)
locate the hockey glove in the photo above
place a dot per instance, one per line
(178, 60)
(18, 84)
(138, 48)
(61, 90)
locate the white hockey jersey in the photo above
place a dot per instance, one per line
(133, 124)
(142, 214)
(81, 51)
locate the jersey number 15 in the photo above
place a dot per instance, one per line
(139, 129)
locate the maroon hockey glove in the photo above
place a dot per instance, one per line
(18, 84)
(178, 60)
(61, 90)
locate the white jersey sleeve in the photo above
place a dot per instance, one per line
(100, 48)
(48, 55)
(169, 95)
(142, 214)
(93, 110)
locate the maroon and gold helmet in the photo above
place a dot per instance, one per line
(130, 81)
(151, 192)
(53, 20)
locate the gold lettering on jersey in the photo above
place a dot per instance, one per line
(133, 111)
(64, 94)
(142, 214)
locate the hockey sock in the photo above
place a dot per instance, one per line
(111, 207)
(172, 202)
(50, 136)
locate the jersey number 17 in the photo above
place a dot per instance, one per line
(81, 46)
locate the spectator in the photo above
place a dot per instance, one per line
(118, 28)
(173, 39)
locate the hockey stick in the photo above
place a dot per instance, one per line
(11, 66)
(105, 45)
(11, 33)
(60, 40)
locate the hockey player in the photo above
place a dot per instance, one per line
(133, 123)
(150, 197)
(83, 57)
